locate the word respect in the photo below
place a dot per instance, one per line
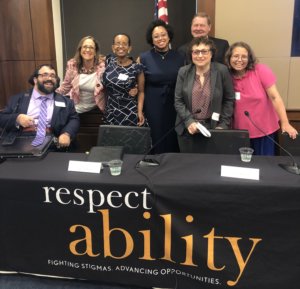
(94, 199)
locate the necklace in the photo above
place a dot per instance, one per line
(162, 54)
(87, 71)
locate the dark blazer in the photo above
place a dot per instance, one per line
(64, 118)
(221, 44)
(222, 96)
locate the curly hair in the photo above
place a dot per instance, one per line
(155, 24)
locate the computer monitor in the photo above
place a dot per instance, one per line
(134, 139)
(222, 141)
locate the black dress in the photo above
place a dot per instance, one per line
(160, 71)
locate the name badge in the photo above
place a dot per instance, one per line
(237, 95)
(122, 76)
(60, 104)
(215, 116)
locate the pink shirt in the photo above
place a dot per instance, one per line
(251, 96)
(70, 85)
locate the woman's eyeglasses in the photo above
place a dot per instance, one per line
(86, 47)
(200, 52)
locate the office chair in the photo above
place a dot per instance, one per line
(134, 139)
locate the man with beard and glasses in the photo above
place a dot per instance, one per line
(22, 113)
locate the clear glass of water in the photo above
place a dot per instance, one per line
(246, 154)
(115, 167)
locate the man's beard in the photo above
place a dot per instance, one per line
(42, 88)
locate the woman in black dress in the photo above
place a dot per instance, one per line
(161, 64)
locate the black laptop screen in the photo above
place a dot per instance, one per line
(222, 141)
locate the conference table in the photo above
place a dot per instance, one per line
(177, 225)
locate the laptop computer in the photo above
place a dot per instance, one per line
(22, 148)
(134, 139)
(222, 141)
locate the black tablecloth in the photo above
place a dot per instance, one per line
(178, 224)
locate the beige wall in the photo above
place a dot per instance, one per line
(267, 26)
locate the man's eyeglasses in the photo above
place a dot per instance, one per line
(199, 52)
(48, 75)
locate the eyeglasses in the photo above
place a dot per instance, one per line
(238, 57)
(48, 75)
(86, 47)
(199, 52)
(119, 44)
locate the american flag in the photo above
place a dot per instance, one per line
(161, 10)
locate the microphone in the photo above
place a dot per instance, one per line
(149, 162)
(294, 167)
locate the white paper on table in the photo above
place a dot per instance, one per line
(239, 172)
(85, 167)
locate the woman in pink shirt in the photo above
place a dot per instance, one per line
(83, 78)
(259, 107)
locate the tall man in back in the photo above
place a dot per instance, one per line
(23, 112)
(201, 26)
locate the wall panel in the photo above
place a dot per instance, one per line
(208, 6)
(265, 25)
(15, 30)
(27, 39)
(294, 84)
(108, 18)
(42, 30)
(15, 75)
